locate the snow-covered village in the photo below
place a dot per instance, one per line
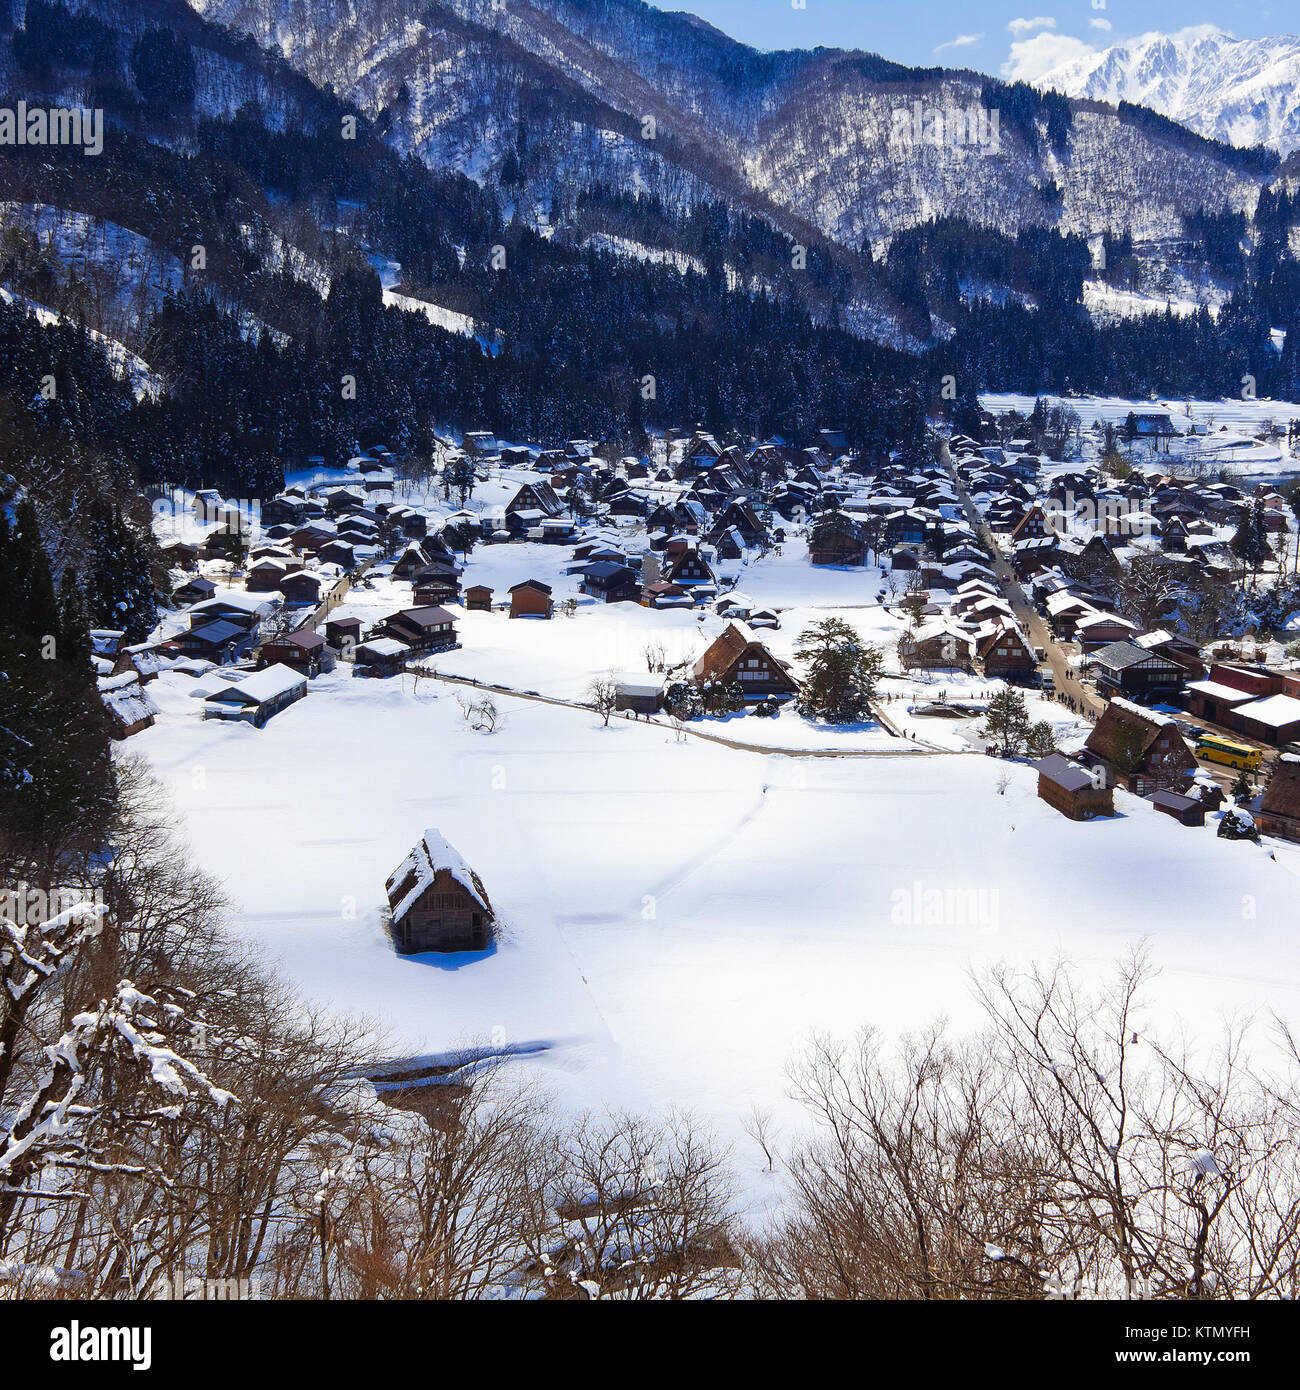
(540, 749)
(828, 830)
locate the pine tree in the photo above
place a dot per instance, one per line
(842, 672)
(36, 617)
(74, 624)
(1007, 721)
(1250, 543)
(121, 591)
(56, 785)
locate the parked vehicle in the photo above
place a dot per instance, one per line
(1223, 750)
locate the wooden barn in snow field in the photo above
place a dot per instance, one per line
(437, 902)
(530, 599)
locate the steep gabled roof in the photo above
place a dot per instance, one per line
(126, 699)
(1001, 634)
(418, 870)
(735, 641)
(1125, 733)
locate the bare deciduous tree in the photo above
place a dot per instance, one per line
(1063, 1153)
(602, 696)
(482, 715)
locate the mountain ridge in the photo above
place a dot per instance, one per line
(807, 131)
(1241, 91)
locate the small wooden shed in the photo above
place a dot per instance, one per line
(531, 599)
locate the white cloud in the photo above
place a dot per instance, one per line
(1103, 24)
(1031, 58)
(961, 41)
(1021, 27)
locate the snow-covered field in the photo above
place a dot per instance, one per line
(1108, 304)
(680, 913)
(559, 658)
(437, 314)
(679, 916)
(1242, 416)
(1225, 437)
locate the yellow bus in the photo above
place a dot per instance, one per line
(1222, 750)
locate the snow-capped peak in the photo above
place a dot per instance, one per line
(1244, 91)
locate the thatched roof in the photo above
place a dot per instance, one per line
(722, 655)
(417, 872)
(1005, 632)
(723, 652)
(1125, 733)
(1282, 795)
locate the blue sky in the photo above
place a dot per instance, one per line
(989, 35)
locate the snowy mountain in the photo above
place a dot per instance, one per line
(1242, 91)
(809, 140)
(624, 156)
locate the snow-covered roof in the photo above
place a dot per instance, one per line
(418, 870)
(943, 628)
(211, 682)
(1063, 599)
(235, 598)
(263, 685)
(1059, 769)
(126, 699)
(1141, 711)
(1272, 710)
(1109, 619)
(638, 683)
(384, 646)
(1215, 690)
